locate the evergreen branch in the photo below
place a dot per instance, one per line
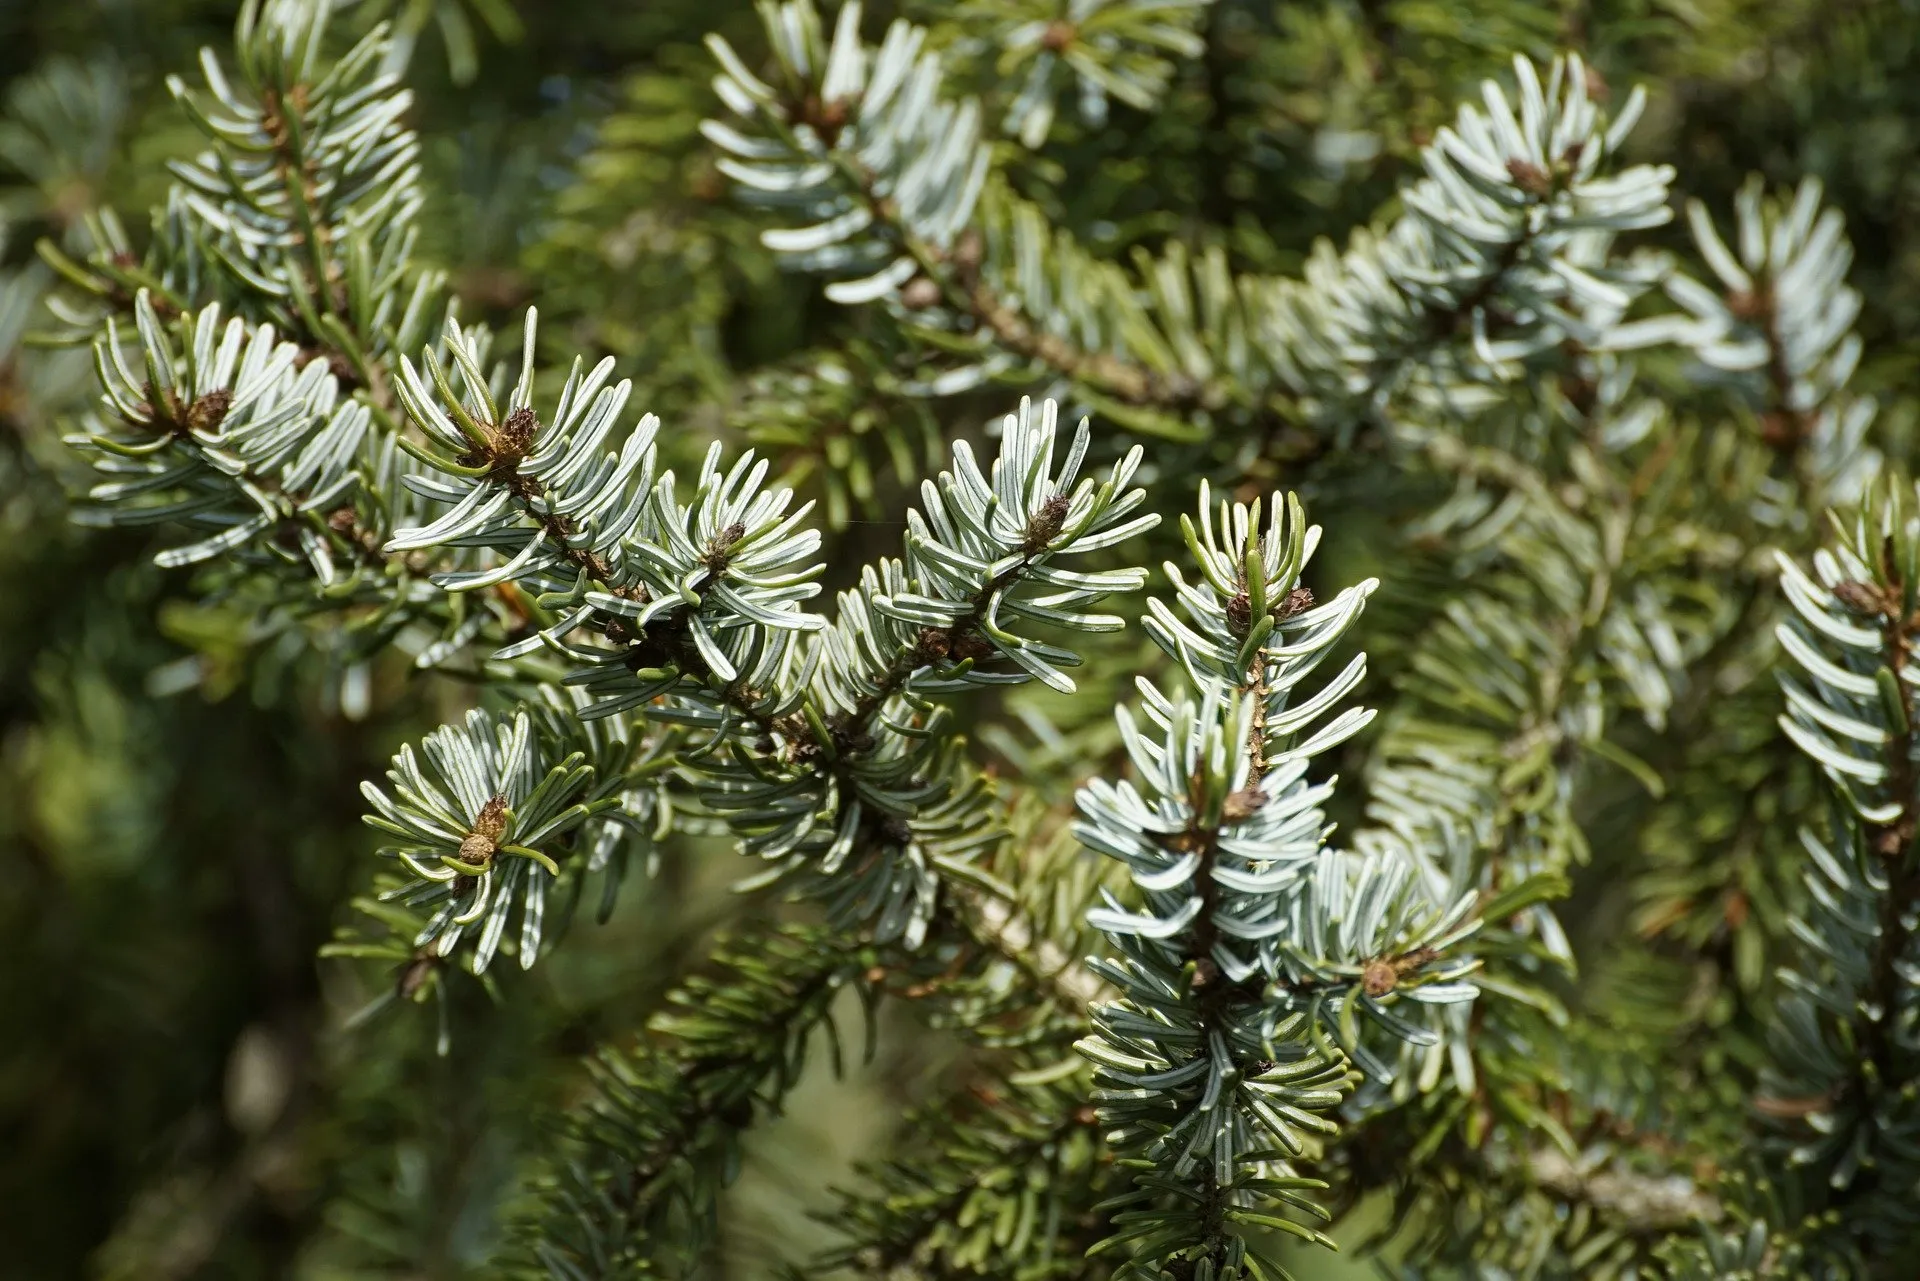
(1516, 218)
(1036, 338)
(308, 160)
(634, 1188)
(302, 213)
(1780, 331)
(870, 143)
(1631, 1149)
(1841, 1086)
(1507, 244)
(311, 192)
(1613, 582)
(516, 455)
(864, 795)
(1723, 845)
(633, 1191)
(709, 589)
(230, 433)
(280, 376)
(1573, 610)
(224, 416)
(1027, 53)
(1215, 1062)
(1025, 529)
(506, 811)
(1004, 1188)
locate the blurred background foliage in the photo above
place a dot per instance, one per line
(180, 1094)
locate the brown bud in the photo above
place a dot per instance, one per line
(1058, 35)
(1239, 613)
(720, 549)
(477, 849)
(706, 184)
(1379, 978)
(971, 644)
(933, 643)
(1749, 304)
(1864, 598)
(969, 251)
(1243, 804)
(1205, 973)
(1581, 393)
(1736, 909)
(1529, 177)
(341, 520)
(1047, 522)
(492, 819)
(827, 118)
(920, 293)
(1298, 600)
(414, 975)
(515, 435)
(1778, 429)
(1597, 87)
(208, 412)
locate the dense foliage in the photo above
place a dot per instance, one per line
(1305, 611)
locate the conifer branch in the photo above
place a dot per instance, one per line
(1012, 1143)
(1780, 330)
(1219, 1055)
(1269, 1016)
(1841, 1085)
(644, 1162)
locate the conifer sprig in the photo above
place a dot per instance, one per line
(1104, 51)
(311, 192)
(893, 166)
(866, 787)
(1215, 1067)
(1010, 1192)
(477, 828)
(634, 1186)
(223, 431)
(1779, 331)
(1843, 1090)
(1516, 221)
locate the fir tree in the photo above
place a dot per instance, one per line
(1306, 626)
